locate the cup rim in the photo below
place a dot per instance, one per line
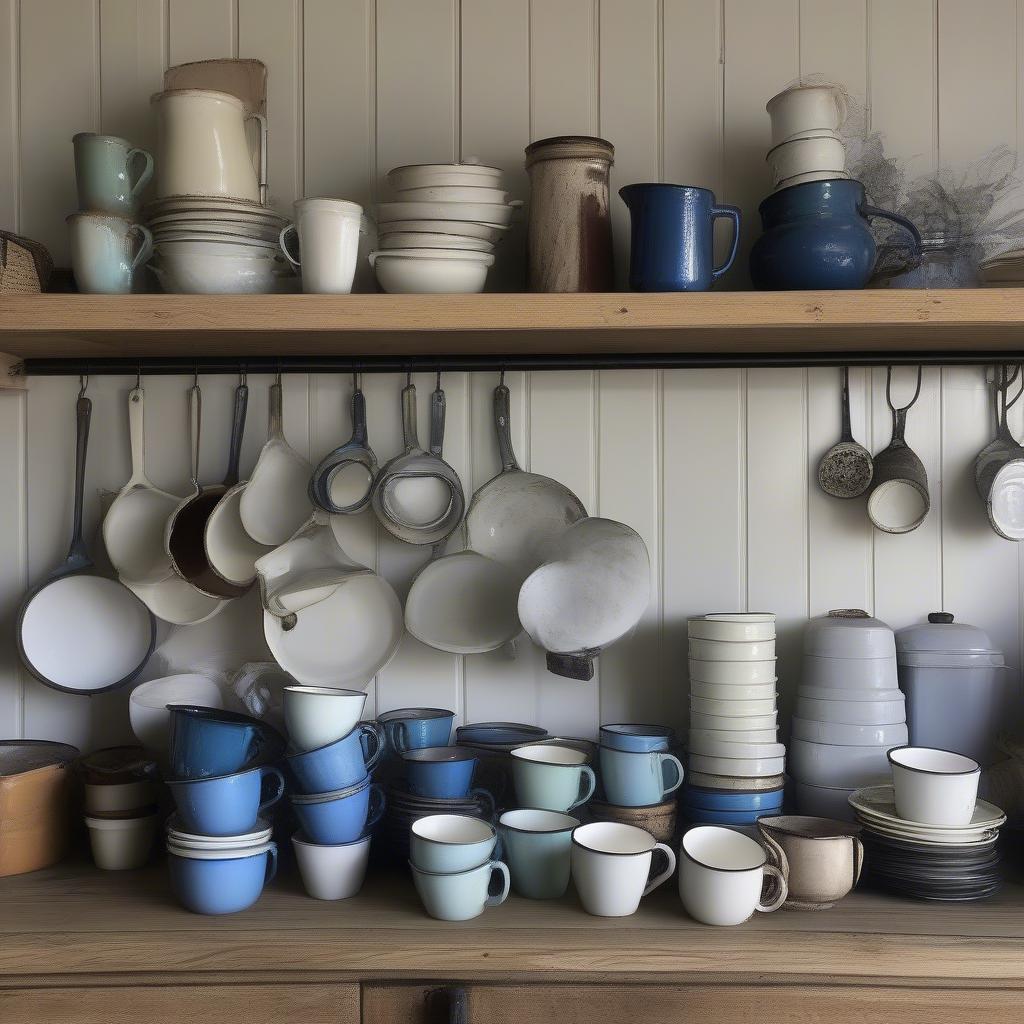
(240, 854)
(420, 754)
(324, 691)
(331, 795)
(452, 842)
(931, 771)
(404, 714)
(615, 853)
(225, 716)
(296, 754)
(538, 831)
(299, 839)
(488, 864)
(717, 867)
(517, 753)
(216, 778)
(843, 829)
(656, 731)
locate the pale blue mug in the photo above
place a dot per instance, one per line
(537, 848)
(412, 728)
(451, 842)
(639, 778)
(462, 895)
(110, 173)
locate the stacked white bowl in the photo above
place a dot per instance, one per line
(805, 141)
(438, 233)
(212, 244)
(733, 713)
(850, 711)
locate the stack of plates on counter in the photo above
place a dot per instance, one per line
(930, 862)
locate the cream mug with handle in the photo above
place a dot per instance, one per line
(328, 233)
(203, 149)
(611, 867)
(721, 875)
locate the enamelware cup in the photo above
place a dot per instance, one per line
(110, 173)
(721, 875)
(411, 728)
(340, 817)
(611, 867)
(206, 742)
(440, 772)
(106, 250)
(328, 233)
(121, 844)
(934, 787)
(226, 805)
(333, 872)
(316, 716)
(537, 847)
(635, 779)
(462, 895)
(451, 842)
(637, 738)
(552, 778)
(339, 764)
(221, 881)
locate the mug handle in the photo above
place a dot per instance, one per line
(484, 796)
(271, 864)
(262, 169)
(284, 247)
(914, 251)
(376, 813)
(400, 737)
(144, 175)
(371, 729)
(586, 773)
(858, 860)
(270, 772)
(674, 761)
(733, 214)
(496, 901)
(667, 873)
(780, 898)
(146, 248)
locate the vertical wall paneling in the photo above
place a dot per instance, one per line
(12, 555)
(833, 42)
(9, 110)
(202, 30)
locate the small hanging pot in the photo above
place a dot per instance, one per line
(899, 499)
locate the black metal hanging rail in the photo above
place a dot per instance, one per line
(498, 361)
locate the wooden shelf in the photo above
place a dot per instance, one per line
(75, 920)
(728, 325)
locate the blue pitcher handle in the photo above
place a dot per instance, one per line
(733, 213)
(915, 250)
(372, 730)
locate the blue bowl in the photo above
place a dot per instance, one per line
(222, 885)
(702, 816)
(731, 800)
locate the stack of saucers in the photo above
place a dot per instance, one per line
(438, 234)
(735, 769)
(930, 862)
(209, 244)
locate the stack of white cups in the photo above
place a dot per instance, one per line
(805, 141)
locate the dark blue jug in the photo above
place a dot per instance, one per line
(817, 236)
(672, 246)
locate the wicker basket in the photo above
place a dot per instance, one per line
(25, 266)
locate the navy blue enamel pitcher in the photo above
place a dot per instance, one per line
(817, 236)
(672, 247)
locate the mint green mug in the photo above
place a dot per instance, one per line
(106, 251)
(109, 174)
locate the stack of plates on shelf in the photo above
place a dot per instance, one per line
(1003, 271)
(735, 766)
(928, 862)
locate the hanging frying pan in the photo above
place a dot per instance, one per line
(76, 631)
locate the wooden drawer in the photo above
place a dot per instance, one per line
(181, 1004)
(708, 1004)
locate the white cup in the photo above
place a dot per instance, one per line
(805, 109)
(332, 872)
(318, 715)
(328, 231)
(802, 156)
(721, 873)
(934, 787)
(611, 867)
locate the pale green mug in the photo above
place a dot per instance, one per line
(104, 253)
(109, 174)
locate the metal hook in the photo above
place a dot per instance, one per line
(243, 377)
(83, 383)
(138, 377)
(501, 378)
(408, 378)
(195, 375)
(888, 390)
(437, 385)
(355, 381)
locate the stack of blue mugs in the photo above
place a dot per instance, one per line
(330, 756)
(220, 851)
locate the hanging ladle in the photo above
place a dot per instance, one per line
(845, 469)
(899, 500)
(342, 482)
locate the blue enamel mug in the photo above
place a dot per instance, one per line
(440, 772)
(672, 237)
(330, 819)
(221, 881)
(637, 738)
(412, 728)
(339, 764)
(639, 778)
(225, 805)
(206, 742)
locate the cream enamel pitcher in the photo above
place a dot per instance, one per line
(203, 149)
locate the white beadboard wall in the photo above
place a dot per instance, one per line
(714, 468)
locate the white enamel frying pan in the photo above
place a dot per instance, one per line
(77, 631)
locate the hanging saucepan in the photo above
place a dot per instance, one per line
(342, 482)
(591, 591)
(899, 500)
(184, 536)
(76, 631)
(417, 496)
(845, 469)
(999, 469)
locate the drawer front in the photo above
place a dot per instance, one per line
(707, 1004)
(181, 1004)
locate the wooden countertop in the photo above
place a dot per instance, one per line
(77, 921)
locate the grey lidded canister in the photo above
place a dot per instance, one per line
(569, 233)
(959, 693)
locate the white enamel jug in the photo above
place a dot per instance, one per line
(203, 149)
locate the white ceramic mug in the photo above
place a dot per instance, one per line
(611, 867)
(328, 231)
(318, 715)
(721, 875)
(332, 872)
(101, 252)
(934, 787)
